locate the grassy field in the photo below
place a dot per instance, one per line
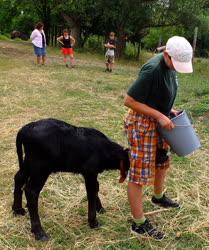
(88, 96)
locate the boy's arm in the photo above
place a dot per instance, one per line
(142, 108)
(109, 46)
(60, 39)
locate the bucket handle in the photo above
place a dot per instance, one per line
(183, 125)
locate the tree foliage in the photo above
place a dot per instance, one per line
(145, 20)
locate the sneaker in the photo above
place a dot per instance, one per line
(165, 202)
(66, 65)
(106, 70)
(147, 230)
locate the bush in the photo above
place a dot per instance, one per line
(4, 37)
(156, 35)
(95, 43)
(131, 50)
(23, 23)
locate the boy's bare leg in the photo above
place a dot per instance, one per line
(159, 183)
(111, 67)
(72, 61)
(107, 66)
(135, 194)
(65, 59)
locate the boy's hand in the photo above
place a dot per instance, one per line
(174, 112)
(109, 46)
(165, 122)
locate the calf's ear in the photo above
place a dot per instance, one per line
(123, 172)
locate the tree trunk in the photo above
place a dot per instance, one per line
(76, 33)
(46, 20)
(138, 50)
(120, 45)
(83, 41)
(74, 24)
(195, 40)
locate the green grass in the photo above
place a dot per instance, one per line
(86, 96)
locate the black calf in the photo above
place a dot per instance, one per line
(50, 146)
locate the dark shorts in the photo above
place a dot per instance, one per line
(39, 51)
(110, 59)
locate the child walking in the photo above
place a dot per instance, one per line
(110, 53)
(67, 42)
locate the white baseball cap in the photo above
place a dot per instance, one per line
(181, 53)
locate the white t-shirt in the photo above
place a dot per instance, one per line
(36, 38)
(110, 52)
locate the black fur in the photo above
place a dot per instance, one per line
(50, 146)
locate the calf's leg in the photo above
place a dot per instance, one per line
(91, 189)
(32, 191)
(99, 207)
(20, 179)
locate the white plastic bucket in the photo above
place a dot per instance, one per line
(182, 139)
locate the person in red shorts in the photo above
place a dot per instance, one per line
(67, 42)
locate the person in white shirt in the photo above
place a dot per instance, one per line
(110, 45)
(39, 43)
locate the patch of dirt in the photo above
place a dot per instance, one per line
(9, 48)
(10, 51)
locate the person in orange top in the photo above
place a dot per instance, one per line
(67, 42)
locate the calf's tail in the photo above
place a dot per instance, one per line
(19, 148)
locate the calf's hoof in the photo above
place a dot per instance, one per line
(41, 236)
(19, 211)
(94, 224)
(101, 211)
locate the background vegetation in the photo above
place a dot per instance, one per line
(145, 24)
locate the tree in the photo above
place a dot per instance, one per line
(130, 19)
(8, 11)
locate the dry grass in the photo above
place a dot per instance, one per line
(87, 96)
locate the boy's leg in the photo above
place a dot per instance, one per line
(159, 198)
(159, 183)
(162, 165)
(140, 225)
(65, 60)
(140, 173)
(72, 61)
(110, 67)
(107, 63)
(111, 63)
(107, 66)
(135, 194)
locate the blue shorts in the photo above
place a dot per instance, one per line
(39, 51)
